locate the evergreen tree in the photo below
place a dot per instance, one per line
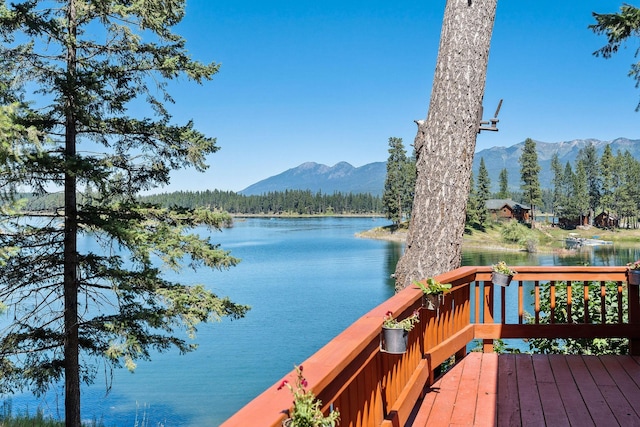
(607, 174)
(503, 180)
(558, 178)
(529, 171)
(472, 219)
(572, 189)
(87, 69)
(567, 207)
(626, 193)
(547, 200)
(580, 192)
(589, 158)
(398, 188)
(618, 27)
(13, 138)
(483, 193)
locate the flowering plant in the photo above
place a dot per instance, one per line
(406, 324)
(306, 408)
(503, 268)
(634, 265)
(433, 287)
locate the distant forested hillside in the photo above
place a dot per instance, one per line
(290, 201)
(273, 203)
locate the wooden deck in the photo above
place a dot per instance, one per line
(487, 389)
(371, 388)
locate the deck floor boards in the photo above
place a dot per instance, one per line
(535, 390)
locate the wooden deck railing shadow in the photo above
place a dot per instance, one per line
(373, 388)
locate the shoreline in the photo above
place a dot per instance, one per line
(379, 234)
(551, 239)
(401, 237)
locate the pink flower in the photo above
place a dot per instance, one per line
(283, 384)
(304, 383)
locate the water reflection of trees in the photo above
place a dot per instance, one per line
(605, 255)
(477, 256)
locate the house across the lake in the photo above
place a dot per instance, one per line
(606, 220)
(500, 209)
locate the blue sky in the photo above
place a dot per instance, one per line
(330, 81)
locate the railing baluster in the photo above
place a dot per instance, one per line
(520, 303)
(620, 311)
(503, 305)
(536, 287)
(477, 305)
(488, 314)
(569, 302)
(585, 292)
(488, 303)
(603, 302)
(552, 297)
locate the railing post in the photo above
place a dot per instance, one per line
(487, 302)
(634, 316)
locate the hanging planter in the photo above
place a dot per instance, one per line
(433, 292)
(633, 273)
(501, 279)
(633, 277)
(394, 340)
(501, 274)
(432, 301)
(395, 333)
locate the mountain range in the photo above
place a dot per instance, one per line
(369, 178)
(343, 177)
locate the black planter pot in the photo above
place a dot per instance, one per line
(501, 279)
(432, 301)
(394, 341)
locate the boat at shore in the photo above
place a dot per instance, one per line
(574, 242)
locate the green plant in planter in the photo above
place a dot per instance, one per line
(634, 272)
(503, 268)
(406, 324)
(433, 287)
(306, 407)
(634, 265)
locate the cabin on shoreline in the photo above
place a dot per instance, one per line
(502, 209)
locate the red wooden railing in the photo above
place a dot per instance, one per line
(373, 388)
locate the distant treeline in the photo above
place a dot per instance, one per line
(273, 203)
(302, 202)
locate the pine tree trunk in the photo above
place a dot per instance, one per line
(71, 344)
(445, 142)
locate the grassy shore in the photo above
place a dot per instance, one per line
(549, 238)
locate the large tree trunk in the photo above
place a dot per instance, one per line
(446, 141)
(71, 342)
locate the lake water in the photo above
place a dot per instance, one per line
(306, 280)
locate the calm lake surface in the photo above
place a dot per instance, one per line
(306, 280)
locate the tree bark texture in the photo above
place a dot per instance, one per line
(71, 344)
(445, 142)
